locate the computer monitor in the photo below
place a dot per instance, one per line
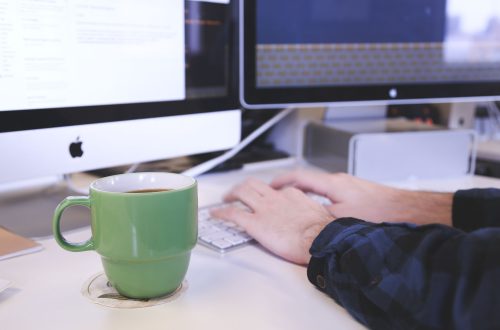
(367, 52)
(93, 84)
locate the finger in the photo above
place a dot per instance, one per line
(251, 192)
(245, 194)
(236, 215)
(317, 182)
(260, 186)
(293, 193)
(298, 196)
(287, 179)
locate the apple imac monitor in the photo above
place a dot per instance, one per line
(304, 52)
(93, 84)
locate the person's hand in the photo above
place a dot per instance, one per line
(355, 197)
(285, 221)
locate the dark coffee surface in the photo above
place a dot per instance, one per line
(143, 191)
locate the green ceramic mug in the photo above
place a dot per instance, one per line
(144, 226)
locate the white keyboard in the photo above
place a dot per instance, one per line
(218, 234)
(223, 236)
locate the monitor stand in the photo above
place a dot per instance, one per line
(28, 211)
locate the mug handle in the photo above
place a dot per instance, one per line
(56, 224)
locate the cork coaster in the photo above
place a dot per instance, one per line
(100, 291)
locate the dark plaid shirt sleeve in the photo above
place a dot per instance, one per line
(402, 276)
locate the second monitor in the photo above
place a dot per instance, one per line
(369, 52)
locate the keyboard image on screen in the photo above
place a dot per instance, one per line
(223, 236)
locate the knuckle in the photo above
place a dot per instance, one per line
(231, 213)
(291, 190)
(340, 176)
(226, 213)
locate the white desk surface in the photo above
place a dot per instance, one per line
(245, 289)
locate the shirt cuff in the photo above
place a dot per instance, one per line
(476, 208)
(324, 245)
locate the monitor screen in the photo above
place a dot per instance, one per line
(127, 80)
(322, 51)
(85, 53)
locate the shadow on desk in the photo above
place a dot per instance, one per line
(8, 293)
(29, 212)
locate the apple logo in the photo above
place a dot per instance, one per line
(75, 148)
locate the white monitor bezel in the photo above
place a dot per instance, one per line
(45, 152)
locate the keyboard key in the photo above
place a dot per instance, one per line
(222, 244)
(212, 237)
(234, 239)
(207, 231)
(218, 234)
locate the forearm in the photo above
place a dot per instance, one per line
(403, 276)
(422, 207)
(467, 210)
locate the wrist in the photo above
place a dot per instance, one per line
(309, 235)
